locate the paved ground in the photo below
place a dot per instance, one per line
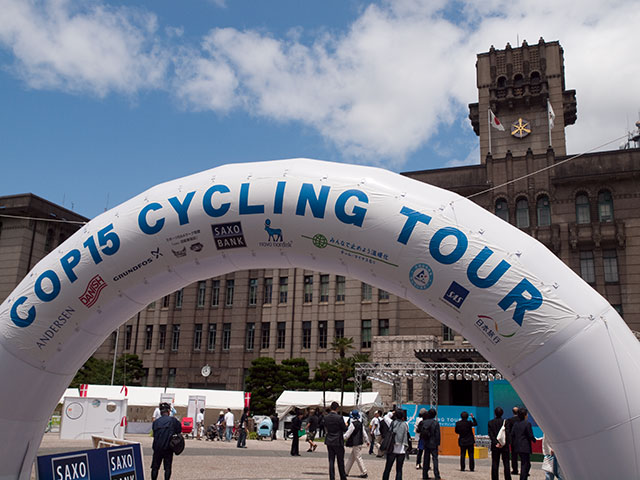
(266, 460)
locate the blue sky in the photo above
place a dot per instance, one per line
(104, 99)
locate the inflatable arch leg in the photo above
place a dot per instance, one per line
(568, 354)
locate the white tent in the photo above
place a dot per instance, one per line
(150, 396)
(290, 399)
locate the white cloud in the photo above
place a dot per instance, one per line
(85, 47)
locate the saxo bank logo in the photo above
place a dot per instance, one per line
(122, 464)
(456, 294)
(421, 276)
(73, 467)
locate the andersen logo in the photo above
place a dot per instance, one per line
(228, 235)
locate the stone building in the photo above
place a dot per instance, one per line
(584, 209)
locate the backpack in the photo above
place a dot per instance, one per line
(425, 430)
(176, 443)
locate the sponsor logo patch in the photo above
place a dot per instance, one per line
(92, 292)
(228, 235)
(421, 276)
(456, 294)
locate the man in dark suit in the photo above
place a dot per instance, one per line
(296, 425)
(521, 438)
(466, 439)
(163, 429)
(509, 426)
(335, 427)
(498, 450)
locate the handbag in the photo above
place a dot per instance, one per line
(176, 443)
(388, 441)
(502, 435)
(547, 464)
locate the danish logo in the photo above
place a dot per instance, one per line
(92, 292)
(421, 276)
(456, 294)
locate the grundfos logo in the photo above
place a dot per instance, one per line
(92, 292)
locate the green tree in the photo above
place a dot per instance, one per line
(294, 373)
(95, 371)
(129, 370)
(323, 373)
(264, 383)
(341, 345)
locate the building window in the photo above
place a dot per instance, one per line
(231, 286)
(308, 288)
(324, 288)
(202, 290)
(587, 268)
(253, 291)
(128, 333)
(365, 292)
(610, 259)
(583, 209)
(175, 338)
(383, 295)
(148, 337)
(322, 334)
(162, 336)
(502, 209)
(215, 293)
(114, 340)
(282, 329)
(197, 336)
(339, 329)
(605, 206)
(340, 288)
(410, 390)
(226, 337)
(268, 291)
(366, 333)
(151, 306)
(250, 336)
(544, 211)
(383, 327)
(284, 290)
(171, 379)
(265, 335)
(522, 213)
(211, 337)
(165, 301)
(144, 381)
(179, 295)
(447, 334)
(306, 335)
(157, 378)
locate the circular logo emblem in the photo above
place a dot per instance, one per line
(74, 410)
(421, 276)
(521, 128)
(319, 240)
(206, 371)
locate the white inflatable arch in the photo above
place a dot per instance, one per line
(565, 350)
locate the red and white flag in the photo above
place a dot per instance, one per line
(247, 399)
(83, 389)
(551, 114)
(495, 122)
(123, 421)
(125, 390)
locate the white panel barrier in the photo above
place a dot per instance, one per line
(568, 354)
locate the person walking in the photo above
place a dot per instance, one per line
(312, 429)
(355, 437)
(466, 439)
(242, 429)
(163, 429)
(521, 438)
(553, 470)
(220, 426)
(510, 422)
(200, 424)
(229, 421)
(296, 425)
(430, 436)
(400, 431)
(335, 428)
(274, 429)
(374, 430)
(421, 415)
(499, 451)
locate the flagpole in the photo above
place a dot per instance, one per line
(489, 126)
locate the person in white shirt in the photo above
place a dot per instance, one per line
(200, 424)
(356, 436)
(156, 413)
(374, 429)
(229, 420)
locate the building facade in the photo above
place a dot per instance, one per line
(586, 210)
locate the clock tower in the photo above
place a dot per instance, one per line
(524, 88)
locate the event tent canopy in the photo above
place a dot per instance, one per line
(290, 399)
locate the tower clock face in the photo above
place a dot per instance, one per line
(520, 128)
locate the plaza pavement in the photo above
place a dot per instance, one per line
(266, 460)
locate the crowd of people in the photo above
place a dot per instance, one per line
(385, 434)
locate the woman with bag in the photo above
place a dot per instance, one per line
(397, 443)
(499, 446)
(550, 462)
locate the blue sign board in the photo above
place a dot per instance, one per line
(448, 415)
(113, 463)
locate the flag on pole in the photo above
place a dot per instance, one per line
(83, 389)
(247, 399)
(551, 114)
(123, 421)
(495, 122)
(125, 390)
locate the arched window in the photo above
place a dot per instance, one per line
(535, 77)
(544, 211)
(517, 80)
(605, 206)
(502, 82)
(583, 209)
(502, 209)
(48, 242)
(522, 213)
